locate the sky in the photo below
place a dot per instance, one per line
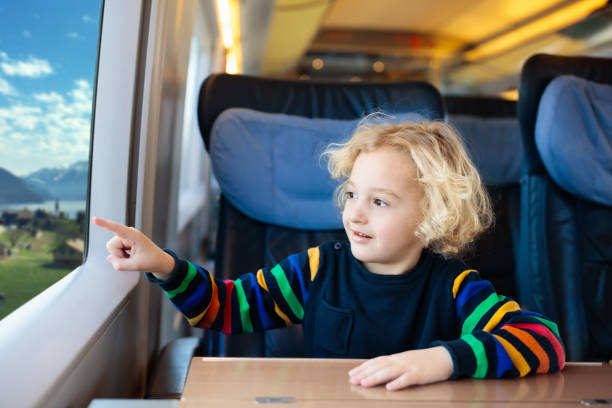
(48, 52)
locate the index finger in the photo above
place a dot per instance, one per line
(114, 227)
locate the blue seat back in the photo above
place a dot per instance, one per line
(565, 250)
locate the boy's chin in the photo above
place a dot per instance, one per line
(360, 254)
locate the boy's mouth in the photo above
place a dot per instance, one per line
(359, 236)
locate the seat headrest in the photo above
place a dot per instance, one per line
(268, 165)
(573, 135)
(536, 74)
(494, 145)
(340, 100)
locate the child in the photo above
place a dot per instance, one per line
(412, 201)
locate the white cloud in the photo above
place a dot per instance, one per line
(82, 84)
(49, 97)
(26, 34)
(15, 111)
(74, 36)
(88, 19)
(26, 122)
(6, 88)
(4, 127)
(19, 137)
(50, 130)
(33, 67)
(21, 117)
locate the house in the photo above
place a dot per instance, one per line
(20, 218)
(69, 253)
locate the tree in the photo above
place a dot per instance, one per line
(13, 235)
(80, 219)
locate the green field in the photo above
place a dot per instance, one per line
(26, 273)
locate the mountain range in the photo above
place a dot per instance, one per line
(15, 190)
(58, 183)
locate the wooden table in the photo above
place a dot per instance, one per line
(246, 382)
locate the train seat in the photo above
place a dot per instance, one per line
(565, 252)
(276, 198)
(491, 133)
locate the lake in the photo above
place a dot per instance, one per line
(70, 208)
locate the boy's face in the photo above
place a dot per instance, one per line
(382, 211)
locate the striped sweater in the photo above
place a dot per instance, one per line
(350, 312)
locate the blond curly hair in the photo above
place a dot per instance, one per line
(456, 206)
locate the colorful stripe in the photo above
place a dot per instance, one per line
(285, 288)
(469, 324)
(504, 363)
(227, 307)
(497, 317)
(470, 290)
(459, 280)
(482, 363)
(517, 358)
(243, 307)
(195, 320)
(543, 331)
(533, 345)
(551, 325)
(194, 299)
(294, 261)
(213, 307)
(261, 309)
(262, 282)
(191, 273)
(313, 262)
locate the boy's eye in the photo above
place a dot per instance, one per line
(379, 202)
(349, 194)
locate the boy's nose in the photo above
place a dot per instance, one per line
(356, 213)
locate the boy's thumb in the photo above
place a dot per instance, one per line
(121, 264)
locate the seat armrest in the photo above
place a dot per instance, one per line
(171, 368)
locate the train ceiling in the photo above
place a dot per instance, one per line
(475, 46)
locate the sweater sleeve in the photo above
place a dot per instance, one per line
(498, 339)
(270, 298)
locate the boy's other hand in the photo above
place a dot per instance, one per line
(404, 369)
(131, 250)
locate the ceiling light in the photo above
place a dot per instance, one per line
(317, 64)
(378, 66)
(511, 95)
(550, 23)
(228, 17)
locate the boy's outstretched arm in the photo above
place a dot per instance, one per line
(131, 250)
(270, 298)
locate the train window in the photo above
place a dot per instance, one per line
(194, 164)
(48, 53)
(72, 325)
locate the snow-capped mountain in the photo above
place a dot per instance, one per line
(61, 183)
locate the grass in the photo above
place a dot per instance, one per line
(28, 272)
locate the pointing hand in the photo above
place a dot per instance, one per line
(131, 250)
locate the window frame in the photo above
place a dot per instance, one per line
(29, 340)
